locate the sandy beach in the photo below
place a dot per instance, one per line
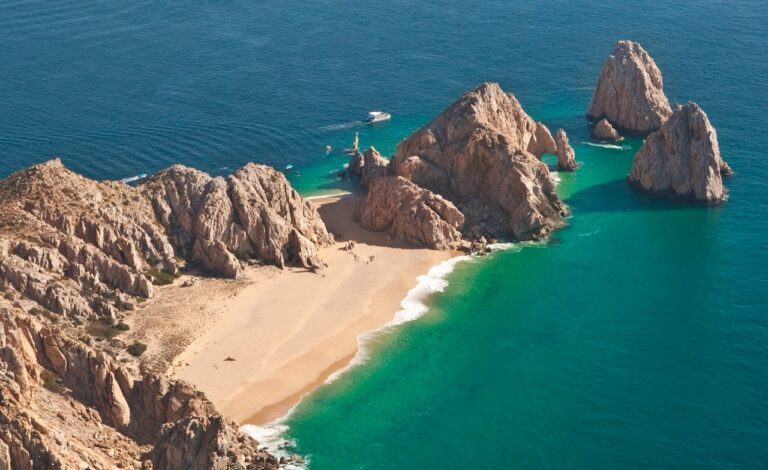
(263, 342)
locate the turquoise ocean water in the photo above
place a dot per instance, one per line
(637, 337)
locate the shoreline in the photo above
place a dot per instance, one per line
(268, 348)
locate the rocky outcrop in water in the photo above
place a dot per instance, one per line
(682, 159)
(566, 157)
(630, 91)
(410, 213)
(483, 154)
(603, 130)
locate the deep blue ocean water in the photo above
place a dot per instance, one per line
(636, 338)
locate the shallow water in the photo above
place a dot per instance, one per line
(636, 337)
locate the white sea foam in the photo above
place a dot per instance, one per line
(412, 307)
(608, 146)
(324, 196)
(271, 437)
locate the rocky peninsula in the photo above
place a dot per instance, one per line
(76, 258)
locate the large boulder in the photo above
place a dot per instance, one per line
(410, 213)
(603, 130)
(682, 159)
(630, 91)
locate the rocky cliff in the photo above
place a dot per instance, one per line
(410, 213)
(682, 159)
(253, 213)
(630, 91)
(66, 405)
(76, 256)
(482, 154)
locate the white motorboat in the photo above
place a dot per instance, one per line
(377, 116)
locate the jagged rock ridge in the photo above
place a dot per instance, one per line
(630, 91)
(682, 159)
(84, 248)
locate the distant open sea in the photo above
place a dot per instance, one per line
(637, 337)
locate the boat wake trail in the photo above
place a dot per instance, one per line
(338, 127)
(608, 146)
(131, 179)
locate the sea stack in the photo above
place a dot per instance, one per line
(604, 131)
(566, 157)
(482, 155)
(630, 91)
(682, 159)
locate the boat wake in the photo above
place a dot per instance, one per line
(338, 127)
(608, 146)
(131, 179)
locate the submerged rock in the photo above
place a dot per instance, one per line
(630, 91)
(682, 159)
(603, 130)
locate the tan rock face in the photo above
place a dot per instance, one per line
(482, 153)
(566, 157)
(603, 130)
(112, 417)
(78, 247)
(682, 159)
(630, 91)
(254, 213)
(410, 213)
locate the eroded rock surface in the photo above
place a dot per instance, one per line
(603, 130)
(682, 159)
(410, 213)
(566, 157)
(483, 154)
(254, 213)
(630, 91)
(66, 405)
(84, 249)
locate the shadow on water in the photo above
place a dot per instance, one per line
(618, 196)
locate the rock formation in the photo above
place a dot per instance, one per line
(65, 405)
(75, 253)
(566, 157)
(84, 248)
(603, 130)
(630, 91)
(682, 159)
(483, 155)
(410, 213)
(254, 213)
